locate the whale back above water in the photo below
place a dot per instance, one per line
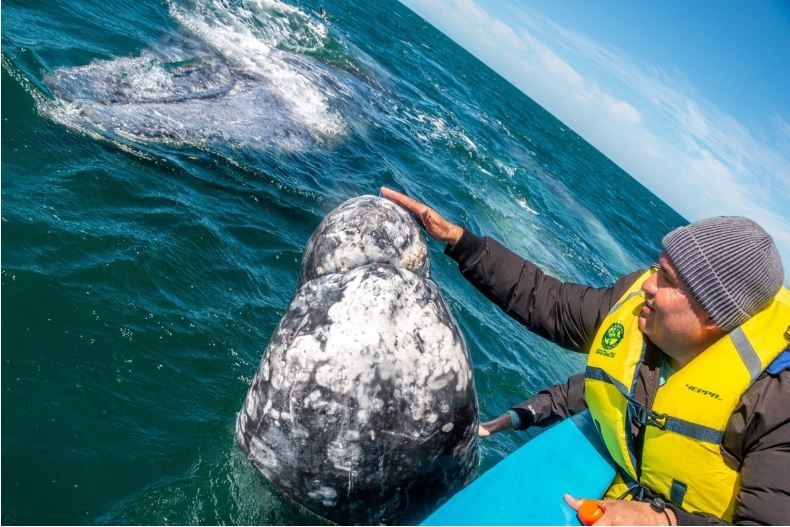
(230, 75)
(144, 79)
(363, 408)
(188, 97)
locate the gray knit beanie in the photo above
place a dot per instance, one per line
(729, 263)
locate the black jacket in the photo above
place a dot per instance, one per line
(757, 438)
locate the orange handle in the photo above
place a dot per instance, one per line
(590, 512)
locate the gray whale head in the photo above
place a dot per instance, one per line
(363, 408)
(365, 230)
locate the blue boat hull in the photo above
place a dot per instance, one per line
(526, 487)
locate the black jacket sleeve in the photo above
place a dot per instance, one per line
(565, 313)
(553, 404)
(758, 434)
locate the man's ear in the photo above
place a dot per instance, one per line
(711, 327)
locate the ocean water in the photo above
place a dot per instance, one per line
(163, 165)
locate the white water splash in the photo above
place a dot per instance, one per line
(523, 204)
(248, 36)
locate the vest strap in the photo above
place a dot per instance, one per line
(661, 421)
(693, 430)
(591, 372)
(677, 492)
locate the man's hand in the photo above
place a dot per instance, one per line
(502, 422)
(619, 512)
(433, 223)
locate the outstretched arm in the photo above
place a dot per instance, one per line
(545, 408)
(565, 313)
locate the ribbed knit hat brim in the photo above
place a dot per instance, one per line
(730, 264)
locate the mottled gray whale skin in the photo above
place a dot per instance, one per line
(178, 81)
(364, 230)
(189, 92)
(363, 408)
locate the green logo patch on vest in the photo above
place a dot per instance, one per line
(613, 336)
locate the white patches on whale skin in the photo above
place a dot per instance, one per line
(365, 389)
(362, 231)
(326, 495)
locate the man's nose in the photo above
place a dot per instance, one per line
(649, 285)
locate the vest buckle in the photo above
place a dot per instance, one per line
(646, 416)
(656, 419)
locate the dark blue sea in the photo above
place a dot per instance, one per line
(163, 165)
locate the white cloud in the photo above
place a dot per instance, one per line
(620, 110)
(695, 156)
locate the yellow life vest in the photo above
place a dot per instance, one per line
(681, 456)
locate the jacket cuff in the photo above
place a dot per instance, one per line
(465, 248)
(687, 518)
(525, 418)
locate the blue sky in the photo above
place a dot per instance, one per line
(691, 98)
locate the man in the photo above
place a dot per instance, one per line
(688, 372)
